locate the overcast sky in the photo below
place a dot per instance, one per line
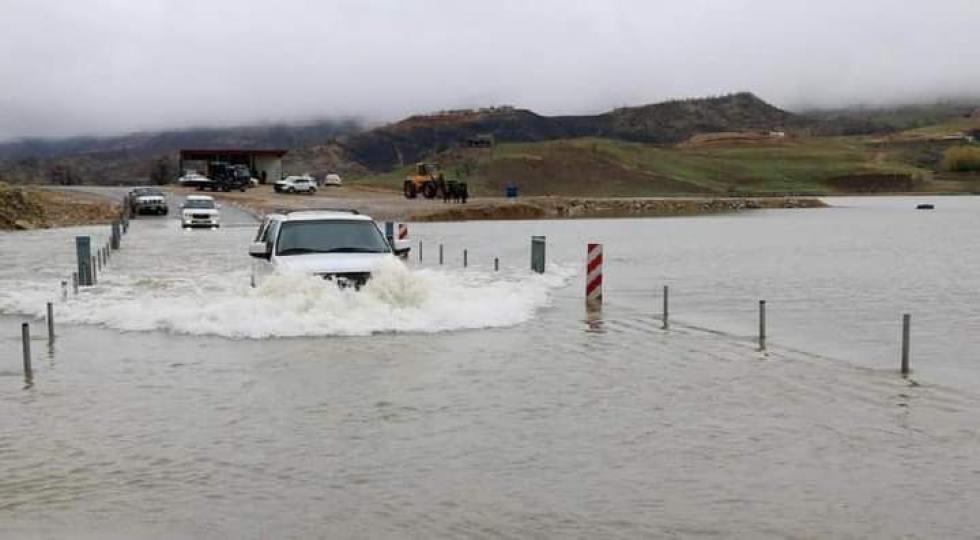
(111, 66)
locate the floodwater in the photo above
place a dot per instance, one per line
(447, 402)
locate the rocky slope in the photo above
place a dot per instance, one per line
(22, 209)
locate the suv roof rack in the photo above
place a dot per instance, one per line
(291, 210)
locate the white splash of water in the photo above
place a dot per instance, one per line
(397, 299)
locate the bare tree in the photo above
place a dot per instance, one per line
(162, 171)
(63, 175)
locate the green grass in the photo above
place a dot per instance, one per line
(392, 179)
(604, 167)
(952, 127)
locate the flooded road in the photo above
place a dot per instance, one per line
(443, 402)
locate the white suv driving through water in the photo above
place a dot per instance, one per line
(339, 245)
(199, 211)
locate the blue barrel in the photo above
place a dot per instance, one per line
(511, 191)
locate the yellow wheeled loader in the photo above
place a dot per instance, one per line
(427, 180)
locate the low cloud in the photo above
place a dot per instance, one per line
(110, 66)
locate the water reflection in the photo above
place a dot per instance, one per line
(593, 319)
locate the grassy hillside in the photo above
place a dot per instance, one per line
(677, 120)
(715, 145)
(872, 120)
(604, 167)
(948, 128)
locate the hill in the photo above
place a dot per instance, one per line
(150, 144)
(676, 121)
(129, 158)
(607, 167)
(716, 145)
(881, 120)
(417, 137)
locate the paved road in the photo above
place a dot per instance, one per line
(231, 216)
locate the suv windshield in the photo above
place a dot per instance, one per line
(330, 236)
(198, 203)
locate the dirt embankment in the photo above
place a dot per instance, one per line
(567, 208)
(388, 205)
(22, 209)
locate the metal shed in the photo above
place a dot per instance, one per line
(266, 165)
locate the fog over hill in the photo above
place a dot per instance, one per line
(146, 144)
(350, 145)
(105, 67)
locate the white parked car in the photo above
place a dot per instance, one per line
(199, 211)
(332, 180)
(342, 246)
(193, 179)
(296, 184)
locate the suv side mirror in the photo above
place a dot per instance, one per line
(401, 248)
(259, 250)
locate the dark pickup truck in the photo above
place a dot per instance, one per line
(148, 201)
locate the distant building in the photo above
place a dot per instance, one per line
(266, 165)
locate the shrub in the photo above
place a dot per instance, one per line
(962, 159)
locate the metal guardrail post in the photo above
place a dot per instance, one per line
(906, 338)
(83, 251)
(537, 253)
(762, 325)
(116, 235)
(25, 334)
(50, 322)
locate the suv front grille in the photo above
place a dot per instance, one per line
(348, 279)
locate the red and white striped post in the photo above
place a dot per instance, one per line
(593, 277)
(402, 238)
